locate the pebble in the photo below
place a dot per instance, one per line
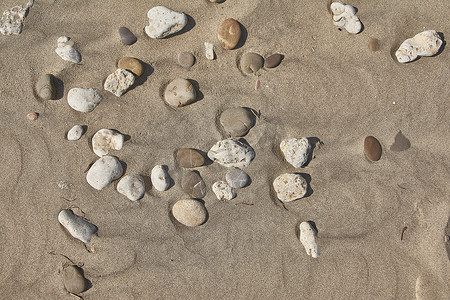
(74, 280)
(106, 139)
(76, 226)
(426, 43)
(374, 45)
(45, 87)
(164, 22)
(186, 59)
(237, 121)
(229, 33)
(372, 148)
(401, 143)
(119, 82)
(126, 36)
(12, 19)
(132, 186)
(295, 151)
(32, 116)
(237, 178)
(189, 158)
(75, 133)
(273, 61)
(66, 51)
(290, 187)
(179, 92)
(160, 179)
(231, 153)
(307, 234)
(251, 62)
(131, 64)
(223, 191)
(84, 100)
(103, 172)
(345, 16)
(189, 212)
(193, 185)
(209, 51)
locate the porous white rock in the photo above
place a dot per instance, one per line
(164, 21)
(76, 226)
(223, 191)
(12, 19)
(84, 100)
(160, 179)
(231, 153)
(295, 151)
(75, 133)
(307, 239)
(119, 82)
(103, 172)
(345, 16)
(426, 43)
(132, 186)
(66, 51)
(209, 51)
(106, 139)
(290, 187)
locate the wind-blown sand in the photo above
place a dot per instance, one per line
(329, 86)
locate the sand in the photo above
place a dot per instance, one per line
(329, 86)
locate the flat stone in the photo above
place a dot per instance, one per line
(119, 82)
(74, 280)
(372, 148)
(75, 133)
(131, 64)
(160, 178)
(132, 186)
(179, 92)
(401, 143)
(344, 16)
(12, 19)
(251, 62)
(186, 59)
(273, 61)
(374, 45)
(103, 172)
(189, 158)
(189, 212)
(209, 51)
(426, 43)
(76, 226)
(223, 191)
(126, 36)
(84, 100)
(229, 33)
(307, 239)
(295, 151)
(164, 22)
(231, 153)
(66, 51)
(237, 178)
(45, 87)
(237, 121)
(193, 185)
(105, 140)
(290, 187)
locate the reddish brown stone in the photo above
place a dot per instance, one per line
(372, 148)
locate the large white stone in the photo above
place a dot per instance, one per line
(103, 172)
(345, 16)
(75, 133)
(84, 100)
(164, 22)
(223, 191)
(307, 239)
(295, 151)
(12, 19)
(132, 186)
(231, 153)
(119, 82)
(160, 179)
(426, 43)
(290, 187)
(106, 139)
(66, 51)
(76, 226)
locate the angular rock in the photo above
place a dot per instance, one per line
(12, 19)
(160, 179)
(66, 51)
(251, 62)
(103, 172)
(273, 61)
(45, 87)
(193, 185)
(229, 33)
(295, 151)
(131, 64)
(84, 100)
(76, 226)
(426, 43)
(231, 153)
(223, 191)
(345, 16)
(237, 121)
(132, 186)
(290, 187)
(186, 59)
(237, 178)
(164, 22)
(75, 133)
(401, 143)
(209, 51)
(189, 212)
(119, 82)
(307, 234)
(126, 36)
(372, 148)
(106, 139)
(74, 280)
(189, 158)
(179, 92)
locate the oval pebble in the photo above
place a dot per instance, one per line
(132, 186)
(76, 226)
(229, 33)
(84, 100)
(231, 153)
(103, 172)
(237, 121)
(126, 36)
(193, 185)
(374, 44)
(131, 64)
(251, 62)
(74, 280)
(189, 158)
(273, 61)
(179, 92)
(186, 59)
(237, 178)
(372, 148)
(32, 116)
(75, 133)
(160, 178)
(45, 87)
(189, 212)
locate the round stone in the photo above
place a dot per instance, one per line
(193, 185)
(372, 148)
(290, 187)
(229, 33)
(74, 280)
(131, 64)
(32, 116)
(251, 62)
(132, 186)
(75, 133)
(127, 37)
(103, 172)
(189, 158)
(189, 212)
(186, 59)
(45, 87)
(374, 45)
(272, 61)
(237, 178)
(237, 121)
(179, 92)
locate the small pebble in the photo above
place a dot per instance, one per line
(75, 133)
(295, 151)
(237, 178)
(103, 172)
(179, 92)
(372, 148)
(119, 82)
(237, 121)
(74, 280)
(223, 191)
(66, 51)
(273, 61)
(401, 143)
(209, 51)
(127, 37)
(229, 33)
(131, 64)
(32, 116)
(189, 158)
(231, 153)
(105, 140)
(186, 59)
(45, 87)
(84, 100)
(164, 22)
(132, 186)
(290, 187)
(160, 178)
(374, 44)
(76, 226)
(307, 239)
(189, 212)
(193, 185)
(251, 62)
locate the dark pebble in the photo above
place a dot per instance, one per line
(193, 184)
(189, 158)
(372, 148)
(127, 37)
(273, 61)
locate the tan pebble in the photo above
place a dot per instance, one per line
(372, 148)
(229, 33)
(131, 64)
(186, 60)
(251, 62)
(179, 92)
(45, 87)
(374, 44)
(32, 116)
(189, 212)
(189, 158)
(74, 280)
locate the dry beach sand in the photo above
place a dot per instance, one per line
(329, 86)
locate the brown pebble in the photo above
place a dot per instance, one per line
(251, 62)
(74, 280)
(32, 116)
(131, 64)
(193, 185)
(237, 121)
(273, 61)
(186, 59)
(189, 158)
(229, 33)
(372, 148)
(374, 44)
(401, 143)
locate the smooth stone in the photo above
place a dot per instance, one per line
(186, 59)
(345, 16)
(32, 116)
(426, 43)
(193, 185)
(189, 158)
(223, 191)
(12, 19)
(45, 87)
(237, 178)
(164, 22)
(209, 51)
(372, 148)
(106, 139)
(132, 186)
(374, 45)
(251, 62)
(84, 100)
(131, 64)
(74, 280)
(104, 171)
(189, 212)
(401, 143)
(295, 151)
(273, 61)
(119, 82)
(179, 92)
(237, 121)
(290, 187)
(66, 51)
(75, 133)
(307, 239)
(231, 153)
(76, 226)
(126, 36)
(160, 179)
(229, 33)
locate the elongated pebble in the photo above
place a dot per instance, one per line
(75, 133)
(76, 226)
(126, 36)
(372, 148)
(272, 61)
(160, 178)
(307, 238)
(45, 87)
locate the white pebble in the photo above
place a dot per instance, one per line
(132, 186)
(76, 226)
(75, 133)
(223, 191)
(12, 19)
(119, 82)
(426, 43)
(106, 139)
(295, 151)
(160, 179)
(231, 153)
(103, 172)
(290, 187)
(164, 22)
(209, 51)
(307, 239)
(345, 16)
(67, 51)
(84, 100)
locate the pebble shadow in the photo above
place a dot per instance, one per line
(189, 25)
(313, 141)
(59, 86)
(243, 38)
(199, 95)
(444, 43)
(148, 70)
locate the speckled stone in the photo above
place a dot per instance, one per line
(272, 61)
(126, 36)
(251, 62)
(372, 148)
(189, 158)
(186, 59)
(131, 64)
(74, 280)
(193, 185)
(290, 187)
(189, 212)
(229, 33)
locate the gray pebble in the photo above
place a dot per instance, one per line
(273, 61)
(127, 37)
(186, 59)
(237, 121)
(237, 178)
(45, 87)
(193, 184)
(251, 62)
(74, 280)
